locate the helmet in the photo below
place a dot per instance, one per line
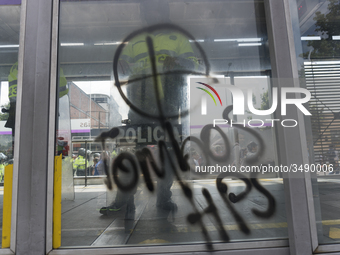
(81, 152)
(96, 155)
(251, 145)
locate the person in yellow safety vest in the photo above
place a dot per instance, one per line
(113, 154)
(2, 171)
(74, 166)
(12, 93)
(80, 163)
(173, 53)
(73, 158)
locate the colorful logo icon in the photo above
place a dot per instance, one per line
(213, 90)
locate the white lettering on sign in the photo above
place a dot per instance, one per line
(130, 135)
(146, 134)
(78, 124)
(155, 134)
(149, 134)
(139, 136)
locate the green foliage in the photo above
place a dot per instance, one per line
(254, 99)
(264, 101)
(328, 25)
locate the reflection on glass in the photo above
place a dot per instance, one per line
(320, 51)
(134, 103)
(9, 46)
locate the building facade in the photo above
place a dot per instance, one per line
(218, 121)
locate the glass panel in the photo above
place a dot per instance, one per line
(9, 46)
(145, 80)
(317, 44)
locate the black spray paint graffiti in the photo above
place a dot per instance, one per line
(144, 155)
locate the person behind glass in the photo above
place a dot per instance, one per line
(97, 162)
(238, 151)
(101, 162)
(95, 166)
(12, 95)
(172, 52)
(2, 169)
(80, 163)
(251, 148)
(251, 151)
(197, 159)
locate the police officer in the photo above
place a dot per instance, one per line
(80, 163)
(96, 158)
(12, 93)
(173, 52)
(2, 170)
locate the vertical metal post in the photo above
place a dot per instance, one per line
(52, 127)
(17, 123)
(33, 126)
(99, 120)
(236, 149)
(292, 143)
(85, 163)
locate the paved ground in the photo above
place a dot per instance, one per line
(83, 225)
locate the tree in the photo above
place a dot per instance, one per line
(328, 25)
(264, 101)
(254, 99)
